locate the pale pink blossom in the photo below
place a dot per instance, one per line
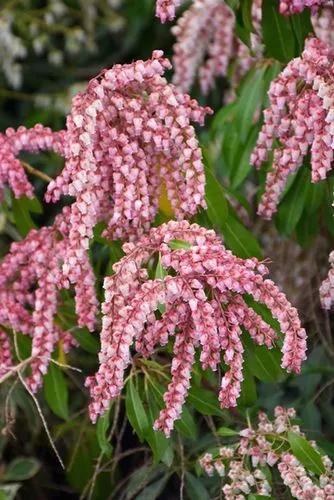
(6, 361)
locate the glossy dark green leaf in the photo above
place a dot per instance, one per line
(204, 401)
(215, 199)
(87, 340)
(277, 33)
(21, 468)
(239, 239)
(153, 491)
(195, 488)
(249, 100)
(22, 209)
(102, 427)
(226, 432)
(302, 28)
(248, 394)
(262, 362)
(135, 410)
(305, 453)
(56, 391)
(293, 203)
(156, 439)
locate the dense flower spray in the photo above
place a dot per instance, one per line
(266, 445)
(327, 286)
(5, 353)
(301, 118)
(206, 43)
(204, 307)
(323, 24)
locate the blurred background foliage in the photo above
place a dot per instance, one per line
(49, 51)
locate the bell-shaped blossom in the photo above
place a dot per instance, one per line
(30, 281)
(288, 7)
(204, 308)
(166, 9)
(323, 24)
(206, 44)
(300, 118)
(327, 286)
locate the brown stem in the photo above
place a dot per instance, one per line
(37, 173)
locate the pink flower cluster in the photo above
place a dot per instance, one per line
(323, 24)
(197, 319)
(206, 43)
(265, 445)
(30, 281)
(288, 7)
(301, 118)
(128, 133)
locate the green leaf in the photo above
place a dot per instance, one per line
(264, 363)
(292, 205)
(9, 491)
(22, 208)
(156, 439)
(250, 99)
(239, 239)
(215, 199)
(226, 432)
(160, 273)
(258, 497)
(204, 401)
(178, 244)
(56, 391)
(101, 433)
(21, 468)
(135, 410)
(140, 478)
(305, 453)
(248, 394)
(87, 340)
(277, 33)
(152, 492)
(195, 488)
(302, 28)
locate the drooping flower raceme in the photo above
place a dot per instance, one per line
(5, 353)
(327, 286)
(288, 7)
(323, 24)
(33, 140)
(206, 43)
(129, 132)
(300, 117)
(30, 281)
(266, 445)
(204, 307)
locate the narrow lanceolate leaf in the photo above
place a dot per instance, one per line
(22, 209)
(178, 244)
(262, 362)
(195, 488)
(306, 454)
(204, 401)
(249, 100)
(293, 203)
(215, 199)
(135, 410)
(101, 433)
(226, 432)
(277, 33)
(56, 391)
(239, 239)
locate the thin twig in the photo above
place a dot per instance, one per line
(37, 173)
(182, 468)
(15, 369)
(45, 425)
